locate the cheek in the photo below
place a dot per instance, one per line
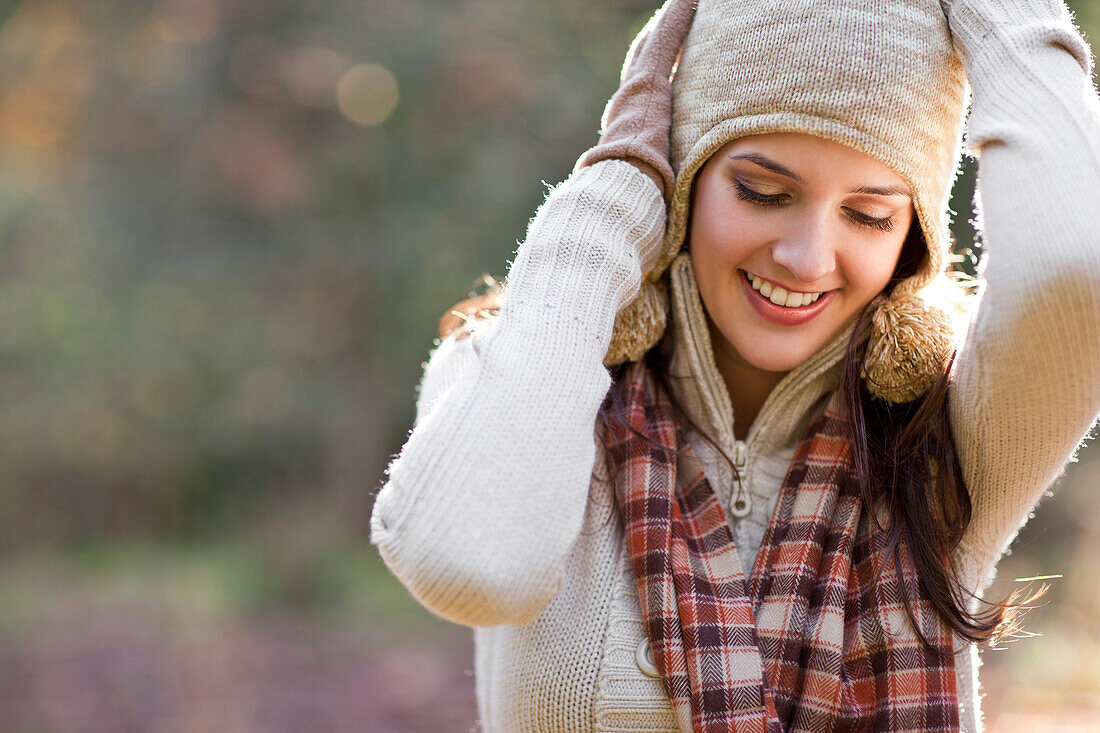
(725, 235)
(870, 273)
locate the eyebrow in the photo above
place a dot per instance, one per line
(883, 190)
(774, 167)
(768, 164)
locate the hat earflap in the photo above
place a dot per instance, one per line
(909, 346)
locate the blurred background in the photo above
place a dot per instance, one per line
(227, 231)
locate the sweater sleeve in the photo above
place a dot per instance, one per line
(1026, 388)
(488, 494)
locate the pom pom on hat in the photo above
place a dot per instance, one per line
(910, 343)
(640, 324)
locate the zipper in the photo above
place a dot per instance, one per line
(741, 505)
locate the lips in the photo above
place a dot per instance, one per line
(783, 315)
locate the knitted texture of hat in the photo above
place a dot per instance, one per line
(879, 77)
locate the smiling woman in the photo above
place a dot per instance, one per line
(778, 220)
(746, 452)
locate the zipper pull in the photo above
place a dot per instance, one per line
(741, 505)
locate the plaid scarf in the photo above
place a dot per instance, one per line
(815, 640)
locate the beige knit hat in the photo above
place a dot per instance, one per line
(880, 77)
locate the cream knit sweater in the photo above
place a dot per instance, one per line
(494, 515)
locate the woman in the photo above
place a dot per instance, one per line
(795, 378)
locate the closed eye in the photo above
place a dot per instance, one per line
(885, 224)
(747, 194)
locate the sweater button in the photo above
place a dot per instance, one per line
(643, 656)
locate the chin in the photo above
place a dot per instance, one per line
(775, 356)
(774, 363)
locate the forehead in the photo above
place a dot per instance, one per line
(810, 158)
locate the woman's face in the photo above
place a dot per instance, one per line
(791, 237)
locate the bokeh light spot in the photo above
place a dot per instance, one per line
(367, 94)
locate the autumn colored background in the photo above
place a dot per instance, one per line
(227, 230)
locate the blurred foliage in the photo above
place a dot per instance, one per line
(229, 227)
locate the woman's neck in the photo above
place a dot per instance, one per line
(748, 386)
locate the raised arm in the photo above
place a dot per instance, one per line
(488, 494)
(1027, 386)
(486, 497)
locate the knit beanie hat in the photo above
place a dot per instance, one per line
(879, 77)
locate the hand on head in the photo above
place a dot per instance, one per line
(638, 116)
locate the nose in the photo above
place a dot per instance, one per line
(807, 251)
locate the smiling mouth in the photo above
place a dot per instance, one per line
(778, 295)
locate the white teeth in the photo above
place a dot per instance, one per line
(780, 296)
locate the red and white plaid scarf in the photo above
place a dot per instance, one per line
(814, 640)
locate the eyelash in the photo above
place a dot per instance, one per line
(747, 194)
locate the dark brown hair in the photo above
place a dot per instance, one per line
(905, 458)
